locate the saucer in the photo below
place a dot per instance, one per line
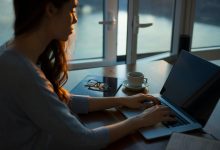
(142, 87)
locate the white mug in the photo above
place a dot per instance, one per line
(136, 79)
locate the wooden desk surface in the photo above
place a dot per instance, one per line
(156, 72)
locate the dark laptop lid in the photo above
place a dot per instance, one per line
(190, 81)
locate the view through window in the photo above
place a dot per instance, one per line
(122, 27)
(88, 40)
(206, 32)
(156, 38)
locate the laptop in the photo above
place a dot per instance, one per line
(191, 91)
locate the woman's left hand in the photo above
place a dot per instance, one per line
(139, 101)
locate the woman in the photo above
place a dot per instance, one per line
(36, 111)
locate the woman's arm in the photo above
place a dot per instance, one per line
(101, 103)
(85, 104)
(135, 101)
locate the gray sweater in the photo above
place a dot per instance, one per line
(32, 116)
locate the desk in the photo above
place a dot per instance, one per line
(156, 72)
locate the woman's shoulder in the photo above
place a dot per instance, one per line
(9, 59)
(18, 67)
(14, 63)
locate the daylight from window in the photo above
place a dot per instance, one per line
(207, 24)
(156, 38)
(88, 42)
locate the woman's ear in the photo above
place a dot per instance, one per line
(51, 10)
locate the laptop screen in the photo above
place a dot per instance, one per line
(193, 84)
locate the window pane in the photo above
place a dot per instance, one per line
(89, 33)
(207, 24)
(156, 38)
(6, 20)
(122, 27)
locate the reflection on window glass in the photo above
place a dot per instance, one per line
(156, 38)
(207, 24)
(88, 41)
(6, 20)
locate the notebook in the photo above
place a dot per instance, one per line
(179, 141)
(97, 86)
(191, 91)
(212, 126)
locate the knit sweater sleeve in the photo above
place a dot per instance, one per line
(79, 104)
(39, 102)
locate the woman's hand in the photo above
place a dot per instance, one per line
(154, 115)
(139, 101)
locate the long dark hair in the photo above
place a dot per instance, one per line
(53, 62)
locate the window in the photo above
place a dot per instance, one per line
(151, 26)
(96, 34)
(130, 29)
(122, 27)
(89, 33)
(206, 32)
(155, 38)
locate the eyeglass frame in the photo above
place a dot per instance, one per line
(96, 85)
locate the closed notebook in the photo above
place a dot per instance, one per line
(180, 141)
(213, 125)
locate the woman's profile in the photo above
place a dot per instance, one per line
(36, 112)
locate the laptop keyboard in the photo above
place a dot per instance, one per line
(179, 120)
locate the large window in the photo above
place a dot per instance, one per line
(207, 25)
(130, 29)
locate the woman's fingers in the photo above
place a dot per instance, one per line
(166, 111)
(168, 118)
(167, 114)
(156, 114)
(161, 110)
(148, 105)
(152, 99)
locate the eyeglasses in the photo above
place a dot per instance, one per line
(97, 86)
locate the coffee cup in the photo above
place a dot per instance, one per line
(136, 79)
